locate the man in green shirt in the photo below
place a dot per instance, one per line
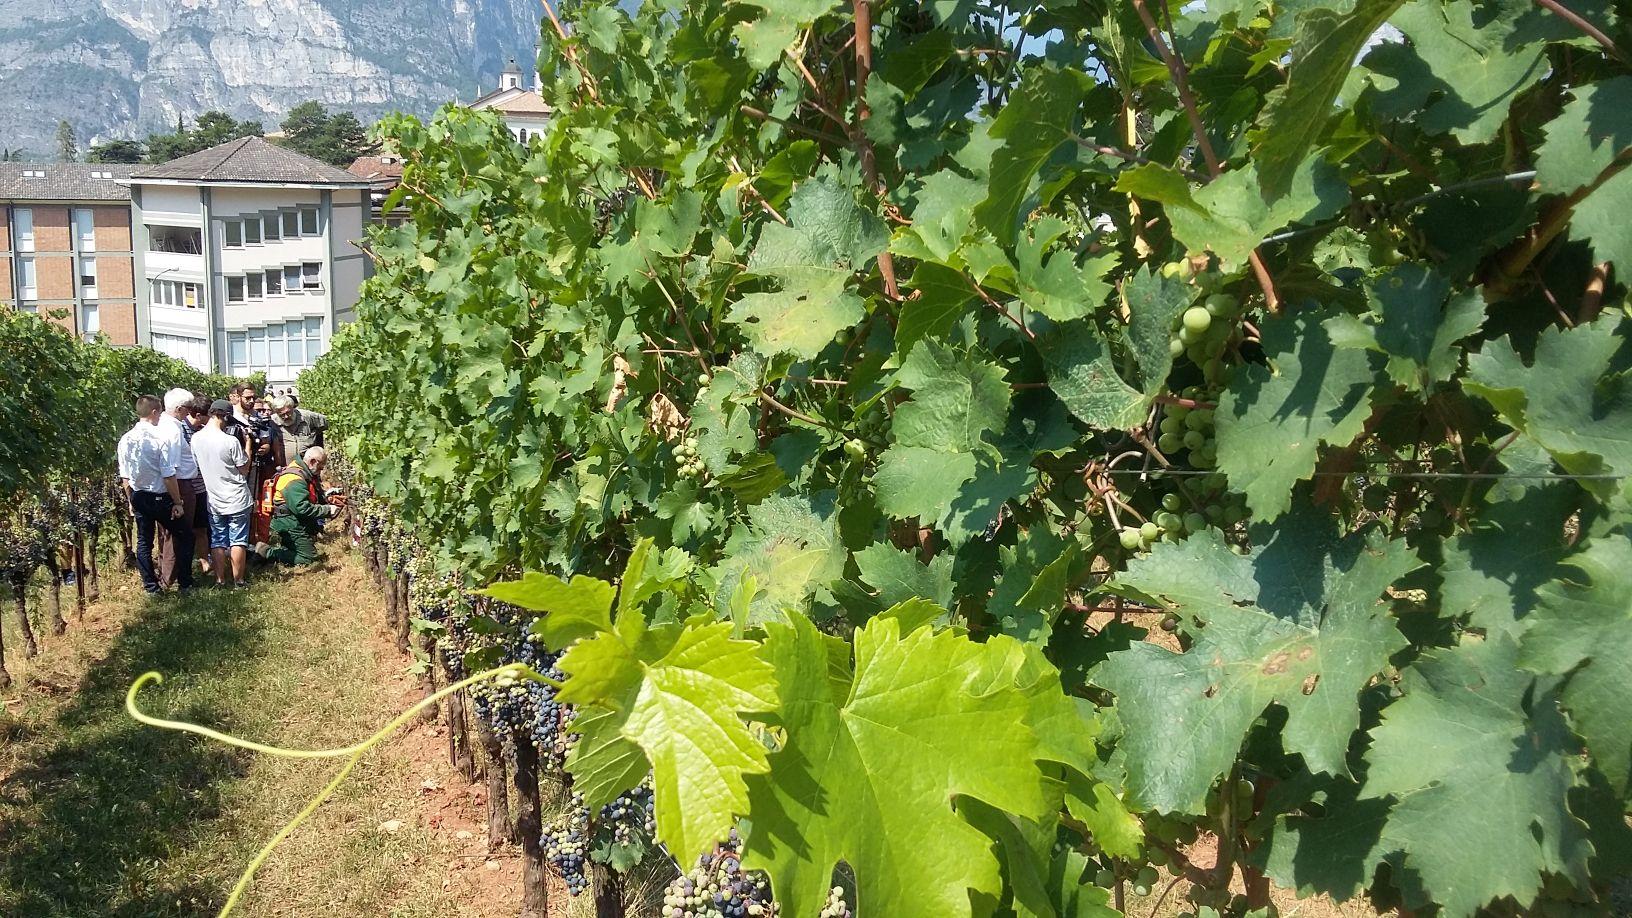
(299, 510)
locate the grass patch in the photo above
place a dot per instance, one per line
(102, 816)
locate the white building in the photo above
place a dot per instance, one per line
(524, 111)
(245, 257)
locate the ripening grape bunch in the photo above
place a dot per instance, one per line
(718, 887)
(691, 465)
(632, 818)
(835, 906)
(566, 845)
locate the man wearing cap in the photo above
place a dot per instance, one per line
(176, 554)
(147, 470)
(223, 460)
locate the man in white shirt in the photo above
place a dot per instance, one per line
(223, 460)
(147, 469)
(173, 426)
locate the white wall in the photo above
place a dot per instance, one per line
(171, 205)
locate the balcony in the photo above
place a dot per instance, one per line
(173, 266)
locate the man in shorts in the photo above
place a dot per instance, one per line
(224, 462)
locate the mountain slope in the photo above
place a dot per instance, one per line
(122, 68)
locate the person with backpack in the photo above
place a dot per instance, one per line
(299, 509)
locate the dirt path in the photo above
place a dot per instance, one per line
(102, 816)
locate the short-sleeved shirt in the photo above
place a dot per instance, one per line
(219, 455)
(147, 457)
(180, 435)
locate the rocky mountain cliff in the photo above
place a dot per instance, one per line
(122, 68)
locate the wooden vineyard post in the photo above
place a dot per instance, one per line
(499, 829)
(79, 575)
(530, 826)
(608, 886)
(391, 602)
(53, 596)
(19, 601)
(93, 590)
(402, 612)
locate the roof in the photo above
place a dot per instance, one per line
(512, 67)
(249, 161)
(64, 181)
(520, 102)
(384, 173)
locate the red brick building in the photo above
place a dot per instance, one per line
(66, 246)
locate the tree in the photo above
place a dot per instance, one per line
(67, 143)
(336, 138)
(211, 129)
(116, 151)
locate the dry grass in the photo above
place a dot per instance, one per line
(100, 816)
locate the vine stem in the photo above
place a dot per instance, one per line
(1181, 82)
(1588, 29)
(864, 147)
(354, 753)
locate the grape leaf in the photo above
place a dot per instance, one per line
(676, 693)
(1582, 142)
(873, 764)
(1470, 72)
(1414, 325)
(1271, 422)
(957, 402)
(792, 550)
(1324, 45)
(1052, 283)
(1463, 760)
(1574, 399)
(1582, 628)
(1232, 216)
(944, 295)
(572, 609)
(828, 237)
(1334, 851)
(898, 576)
(1296, 622)
(764, 39)
(1080, 372)
(1491, 571)
(1154, 305)
(1036, 120)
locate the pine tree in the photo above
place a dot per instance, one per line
(67, 143)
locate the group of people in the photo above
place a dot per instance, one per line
(200, 475)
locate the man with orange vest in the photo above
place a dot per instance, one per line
(299, 510)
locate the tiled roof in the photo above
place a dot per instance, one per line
(249, 160)
(524, 102)
(64, 181)
(375, 168)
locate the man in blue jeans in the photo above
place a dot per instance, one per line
(147, 469)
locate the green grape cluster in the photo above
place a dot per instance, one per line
(1189, 429)
(1196, 504)
(874, 424)
(691, 465)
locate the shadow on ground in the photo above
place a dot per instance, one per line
(88, 823)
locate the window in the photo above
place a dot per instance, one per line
(189, 295)
(87, 276)
(33, 173)
(252, 231)
(97, 173)
(85, 228)
(274, 282)
(269, 228)
(257, 347)
(235, 289)
(90, 321)
(281, 348)
(291, 279)
(193, 350)
(254, 282)
(179, 240)
(291, 224)
(522, 135)
(24, 218)
(312, 279)
(27, 279)
(308, 221)
(233, 238)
